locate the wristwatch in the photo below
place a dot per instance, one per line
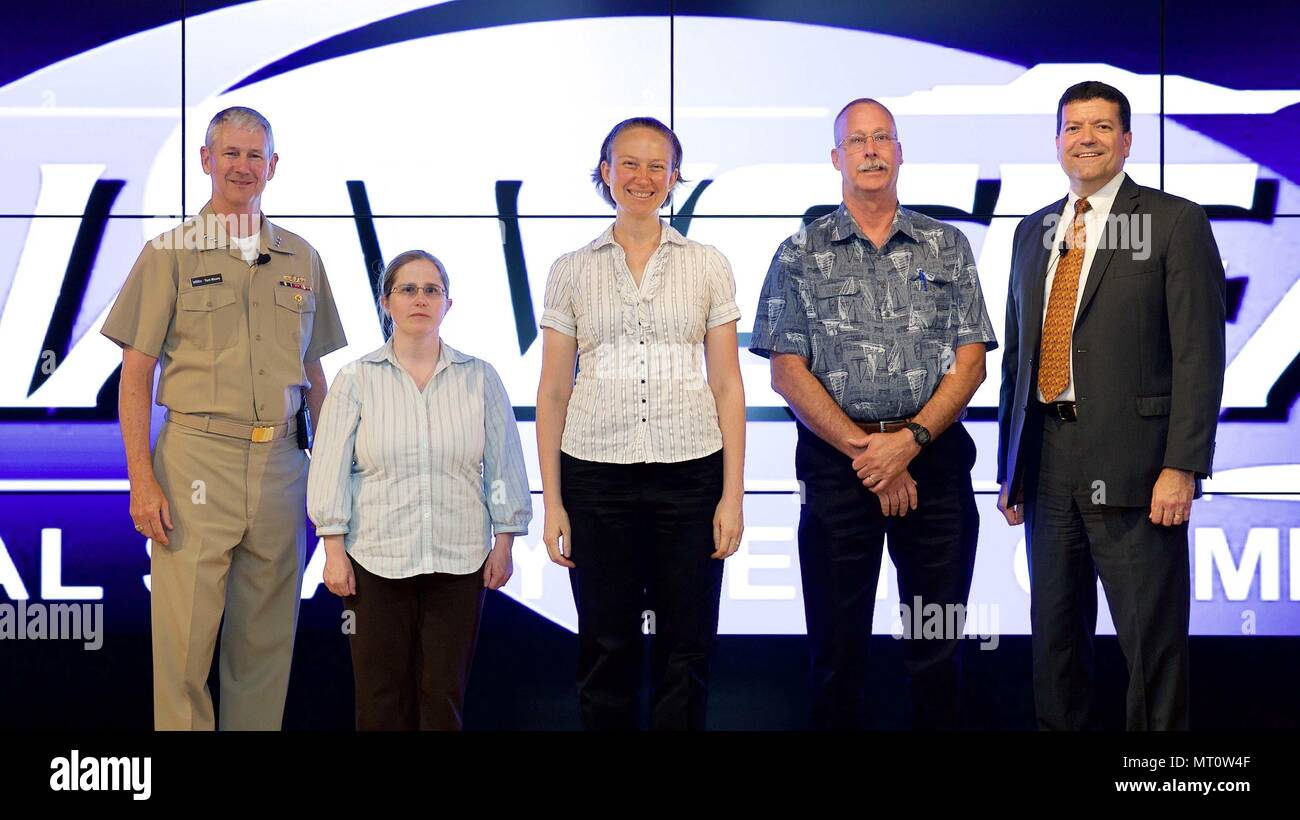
(919, 433)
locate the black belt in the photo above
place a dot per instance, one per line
(1063, 410)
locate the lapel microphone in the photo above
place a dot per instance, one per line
(265, 259)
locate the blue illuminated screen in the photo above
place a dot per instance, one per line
(469, 129)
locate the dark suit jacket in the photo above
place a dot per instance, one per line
(1148, 348)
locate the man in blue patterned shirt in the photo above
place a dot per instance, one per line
(875, 325)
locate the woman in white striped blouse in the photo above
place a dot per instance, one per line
(416, 461)
(642, 459)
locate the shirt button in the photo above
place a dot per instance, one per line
(643, 401)
(258, 337)
(261, 372)
(254, 304)
(643, 381)
(642, 419)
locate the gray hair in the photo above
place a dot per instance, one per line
(245, 119)
(840, 117)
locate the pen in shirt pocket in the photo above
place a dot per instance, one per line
(927, 279)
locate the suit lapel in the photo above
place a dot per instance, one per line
(1126, 201)
(1035, 277)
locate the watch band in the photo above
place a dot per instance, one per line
(919, 433)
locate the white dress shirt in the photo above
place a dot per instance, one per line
(1094, 221)
(248, 246)
(641, 393)
(417, 480)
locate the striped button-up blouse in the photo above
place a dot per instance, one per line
(416, 481)
(641, 393)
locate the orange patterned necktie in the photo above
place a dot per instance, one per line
(1054, 359)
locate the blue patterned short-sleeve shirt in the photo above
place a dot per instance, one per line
(879, 327)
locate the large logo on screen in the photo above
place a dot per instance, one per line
(439, 123)
(475, 142)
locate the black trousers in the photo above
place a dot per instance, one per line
(841, 541)
(642, 535)
(1145, 571)
(412, 648)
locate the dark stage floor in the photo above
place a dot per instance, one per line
(523, 679)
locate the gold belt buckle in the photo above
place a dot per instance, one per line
(262, 435)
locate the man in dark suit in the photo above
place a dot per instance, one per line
(1112, 376)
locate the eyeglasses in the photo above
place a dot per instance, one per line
(854, 143)
(409, 290)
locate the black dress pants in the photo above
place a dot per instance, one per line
(1074, 537)
(641, 538)
(841, 540)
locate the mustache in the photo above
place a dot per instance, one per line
(873, 165)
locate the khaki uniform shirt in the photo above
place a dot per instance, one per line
(231, 337)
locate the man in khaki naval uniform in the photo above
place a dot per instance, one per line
(239, 313)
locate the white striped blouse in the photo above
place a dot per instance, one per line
(416, 481)
(641, 393)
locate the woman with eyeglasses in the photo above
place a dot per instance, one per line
(416, 468)
(642, 457)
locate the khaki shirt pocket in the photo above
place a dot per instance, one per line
(294, 315)
(208, 317)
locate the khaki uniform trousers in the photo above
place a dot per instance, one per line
(238, 549)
